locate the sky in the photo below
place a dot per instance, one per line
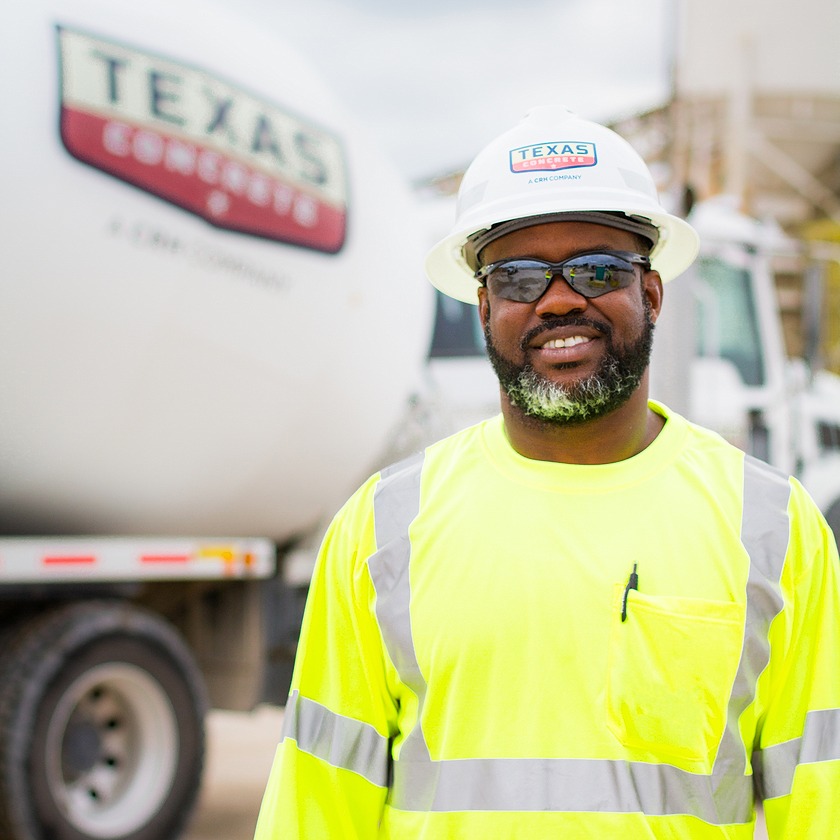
(433, 81)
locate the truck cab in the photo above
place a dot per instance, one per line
(742, 382)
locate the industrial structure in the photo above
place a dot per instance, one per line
(755, 114)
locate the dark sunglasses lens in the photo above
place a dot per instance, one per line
(519, 280)
(593, 275)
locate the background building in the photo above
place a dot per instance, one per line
(755, 113)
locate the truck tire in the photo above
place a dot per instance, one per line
(101, 726)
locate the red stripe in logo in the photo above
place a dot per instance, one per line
(218, 187)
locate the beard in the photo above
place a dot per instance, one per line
(618, 375)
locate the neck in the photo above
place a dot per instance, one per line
(616, 436)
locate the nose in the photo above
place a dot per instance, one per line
(560, 299)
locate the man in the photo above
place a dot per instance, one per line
(586, 617)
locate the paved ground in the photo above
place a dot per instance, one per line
(240, 751)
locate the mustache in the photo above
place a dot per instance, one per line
(565, 321)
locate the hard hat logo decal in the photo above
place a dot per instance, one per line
(552, 156)
(197, 141)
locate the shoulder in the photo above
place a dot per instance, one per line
(811, 536)
(407, 470)
(451, 449)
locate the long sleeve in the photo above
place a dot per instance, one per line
(330, 773)
(799, 743)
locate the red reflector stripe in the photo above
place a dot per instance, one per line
(67, 560)
(164, 558)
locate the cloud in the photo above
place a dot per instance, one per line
(434, 81)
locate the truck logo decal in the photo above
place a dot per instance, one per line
(551, 156)
(202, 143)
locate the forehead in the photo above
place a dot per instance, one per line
(555, 241)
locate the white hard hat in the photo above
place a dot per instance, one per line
(554, 162)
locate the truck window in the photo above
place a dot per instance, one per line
(727, 319)
(457, 329)
(829, 435)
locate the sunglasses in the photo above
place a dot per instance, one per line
(591, 275)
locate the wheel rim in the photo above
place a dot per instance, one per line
(111, 750)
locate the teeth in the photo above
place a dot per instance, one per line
(565, 342)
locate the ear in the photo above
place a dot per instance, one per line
(652, 289)
(483, 306)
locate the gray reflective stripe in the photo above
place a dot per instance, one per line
(722, 797)
(396, 502)
(340, 741)
(820, 741)
(764, 535)
(566, 784)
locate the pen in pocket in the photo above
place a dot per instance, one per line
(632, 583)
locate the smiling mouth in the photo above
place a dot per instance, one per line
(571, 341)
(564, 332)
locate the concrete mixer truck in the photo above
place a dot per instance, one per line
(213, 316)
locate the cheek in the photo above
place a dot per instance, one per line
(507, 327)
(630, 312)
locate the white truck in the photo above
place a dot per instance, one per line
(720, 356)
(213, 317)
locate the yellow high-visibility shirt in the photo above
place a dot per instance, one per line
(477, 662)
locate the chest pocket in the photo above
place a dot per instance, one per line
(671, 668)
